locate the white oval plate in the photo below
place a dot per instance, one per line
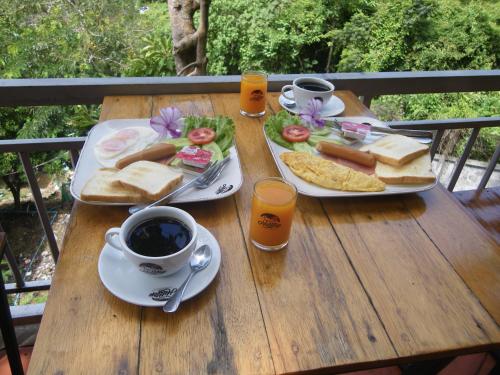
(129, 284)
(310, 189)
(229, 182)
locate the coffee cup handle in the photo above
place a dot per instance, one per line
(285, 90)
(112, 238)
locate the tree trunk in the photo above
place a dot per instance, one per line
(14, 184)
(190, 44)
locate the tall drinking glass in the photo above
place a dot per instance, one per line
(253, 94)
(273, 205)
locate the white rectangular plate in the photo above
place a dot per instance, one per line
(229, 182)
(306, 188)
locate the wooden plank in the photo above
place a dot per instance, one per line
(222, 330)
(317, 315)
(484, 206)
(84, 326)
(424, 305)
(118, 107)
(464, 242)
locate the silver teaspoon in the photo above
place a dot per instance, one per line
(199, 260)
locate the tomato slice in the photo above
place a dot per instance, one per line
(201, 136)
(295, 133)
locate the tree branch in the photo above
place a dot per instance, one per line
(181, 72)
(189, 41)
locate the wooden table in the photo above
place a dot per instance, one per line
(364, 282)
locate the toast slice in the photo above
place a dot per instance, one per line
(396, 149)
(418, 171)
(100, 188)
(151, 180)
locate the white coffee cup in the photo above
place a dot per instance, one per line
(306, 88)
(159, 266)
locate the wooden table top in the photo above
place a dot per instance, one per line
(364, 282)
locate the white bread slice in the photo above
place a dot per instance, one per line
(395, 149)
(100, 188)
(418, 171)
(152, 180)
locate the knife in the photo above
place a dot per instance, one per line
(382, 129)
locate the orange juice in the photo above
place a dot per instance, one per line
(273, 206)
(253, 94)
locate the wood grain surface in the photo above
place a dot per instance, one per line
(84, 327)
(363, 282)
(222, 330)
(484, 206)
(462, 240)
(316, 313)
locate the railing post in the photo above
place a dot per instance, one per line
(73, 153)
(40, 207)
(489, 170)
(13, 266)
(436, 142)
(460, 164)
(7, 328)
(367, 100)
(10, 259)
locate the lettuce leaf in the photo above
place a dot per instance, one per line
(274, 127)
(303, 147)
(223, 127)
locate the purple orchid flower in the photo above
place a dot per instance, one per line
(168, 122)
(311, 114)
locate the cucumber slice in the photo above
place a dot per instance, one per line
(215, 149)
(179, 143)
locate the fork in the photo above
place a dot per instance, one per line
(203, 181)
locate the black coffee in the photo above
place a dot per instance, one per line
(159, 237)
(313, 86)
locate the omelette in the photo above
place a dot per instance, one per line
(328, 174)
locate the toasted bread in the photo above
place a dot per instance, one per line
(396, 149)
(418, 171)
(152, 180)
(100, 188)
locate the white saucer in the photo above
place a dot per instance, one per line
(126, 282)
(333, 107)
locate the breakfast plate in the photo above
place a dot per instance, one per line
(306, 188)
(228, 182)
(124, 281)
(333, 107)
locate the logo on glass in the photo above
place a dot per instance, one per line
(256, 95)
(269, 221)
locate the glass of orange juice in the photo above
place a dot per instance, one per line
(253, 94)
(273, 205)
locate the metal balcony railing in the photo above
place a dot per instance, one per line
(29, 92)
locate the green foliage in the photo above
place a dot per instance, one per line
(152, 55)
(277, 36)
(421, 35)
